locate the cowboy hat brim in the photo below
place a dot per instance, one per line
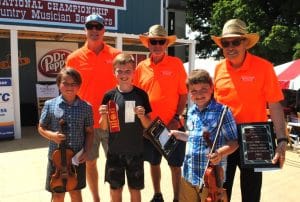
(145, 39)
(252, 39)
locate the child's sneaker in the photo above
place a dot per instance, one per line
(157, 198)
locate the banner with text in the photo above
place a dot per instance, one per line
(66, 14)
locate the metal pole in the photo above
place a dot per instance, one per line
(15, 80)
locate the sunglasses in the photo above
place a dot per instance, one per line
(90, 26)
(234, 43)
(157, 41)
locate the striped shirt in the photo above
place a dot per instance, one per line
(77, 117)
(197, 149)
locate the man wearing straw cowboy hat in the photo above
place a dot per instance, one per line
(247, 84)
(163, 78)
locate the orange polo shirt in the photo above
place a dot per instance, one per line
(96, 72)
(247, 90)
(163, 82)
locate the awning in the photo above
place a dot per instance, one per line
(289, 75)
(208, 64)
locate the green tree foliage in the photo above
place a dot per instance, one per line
(276, 21)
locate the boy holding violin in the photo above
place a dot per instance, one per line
(67, 121)
(202, 122)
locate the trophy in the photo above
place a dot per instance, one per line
(159, 136)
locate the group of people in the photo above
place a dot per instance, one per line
(97, 75)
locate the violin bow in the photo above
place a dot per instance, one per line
(220, 123)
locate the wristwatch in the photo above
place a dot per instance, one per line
(282, 139)
(176, 117)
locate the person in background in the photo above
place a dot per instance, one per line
(247, 84)
(125, 147)
(94, 63)
(203, 116)
(77, 115)
(163, 78)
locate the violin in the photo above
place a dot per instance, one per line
(65, 177)
(213, 178)
(214, 174)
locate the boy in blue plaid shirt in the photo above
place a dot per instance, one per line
(203, 116)
(69, 120)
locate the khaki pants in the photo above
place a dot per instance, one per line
(191, 193)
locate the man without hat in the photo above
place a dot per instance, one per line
(94, 63)
(247, 84)
(163, 78)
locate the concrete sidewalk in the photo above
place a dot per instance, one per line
(23, 168)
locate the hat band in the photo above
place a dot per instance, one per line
(156, 35)
(236, 33)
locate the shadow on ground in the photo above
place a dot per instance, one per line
(30, 140)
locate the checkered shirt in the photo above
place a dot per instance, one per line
(195, 158)
(77, 117)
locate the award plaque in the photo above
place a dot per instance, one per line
(257, 145)
(159, 136)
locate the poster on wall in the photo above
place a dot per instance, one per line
(6, 109)
(45, 92)
(50, 58)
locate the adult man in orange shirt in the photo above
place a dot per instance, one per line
(94, 63)
(163, 77)
(247, 83)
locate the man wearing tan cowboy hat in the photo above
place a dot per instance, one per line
(163, 78)
(247, 84)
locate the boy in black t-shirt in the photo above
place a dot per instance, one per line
(125, 148)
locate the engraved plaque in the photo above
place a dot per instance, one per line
(257, 145)
(159, 136)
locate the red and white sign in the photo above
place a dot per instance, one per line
(51, 58)
(68, 13)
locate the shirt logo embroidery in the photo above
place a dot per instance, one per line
(108, 61)
(166, 73)
(247, 78)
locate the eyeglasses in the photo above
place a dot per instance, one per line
(127, 72)
(199, 92)
(91, 26)
(157, 41)
(69, 84)
(234, 43)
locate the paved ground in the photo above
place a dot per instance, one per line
(23, 167)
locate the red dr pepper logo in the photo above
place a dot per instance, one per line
(52, 62)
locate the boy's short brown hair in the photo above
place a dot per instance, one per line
(122, 59)
(70, 72)
(197, 76)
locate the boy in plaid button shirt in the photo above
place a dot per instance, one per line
(203, 116)
(77, 132)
